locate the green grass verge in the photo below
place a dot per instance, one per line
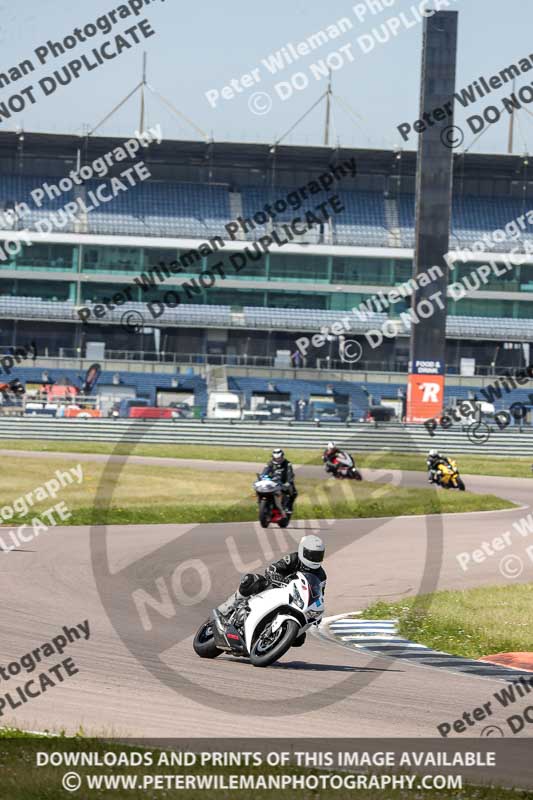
(471, 623)
(142, 494)
(16, 733)
(247, 512)
(23, 780)
(402, 502)
(204, 452)
(476, 465)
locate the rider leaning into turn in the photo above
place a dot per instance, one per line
(309, 556)
(329, 454)
(281, 470)
(433, 460)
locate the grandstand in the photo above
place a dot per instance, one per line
(162, 387)
(261, 310)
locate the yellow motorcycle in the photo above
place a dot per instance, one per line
(448, 476)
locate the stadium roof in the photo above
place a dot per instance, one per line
(44, 154)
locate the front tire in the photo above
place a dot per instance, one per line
(204, 641)
(264, 513)
(264, 653)
(460, 484)
(356, 475)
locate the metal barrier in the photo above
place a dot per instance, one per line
(358, 437)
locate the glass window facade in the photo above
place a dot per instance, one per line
(42, 256)
(281, 274)
(299, 268)
(112, 259)
(46, 290)
(373, 272)
(253, 270)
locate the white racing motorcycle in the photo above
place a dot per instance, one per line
(265, 489)
(263, 627)
(343, 466)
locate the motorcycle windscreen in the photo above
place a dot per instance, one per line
(315, 585)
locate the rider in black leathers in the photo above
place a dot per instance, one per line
(281, 470)
(308, 557)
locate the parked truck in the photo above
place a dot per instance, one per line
(224, 405)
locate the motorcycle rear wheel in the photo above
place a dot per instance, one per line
(263, 653)
(204, 641)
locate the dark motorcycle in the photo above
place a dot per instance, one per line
(265, 489)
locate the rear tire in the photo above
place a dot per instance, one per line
(204, 641)
(264, 514)
(283, 523)
(262, 655)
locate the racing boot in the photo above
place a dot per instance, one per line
(223, 612)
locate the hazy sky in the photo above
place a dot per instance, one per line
(198, 47)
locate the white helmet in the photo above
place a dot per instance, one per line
(433, 453)
(311, 551)
(278, 455)
(331, 446)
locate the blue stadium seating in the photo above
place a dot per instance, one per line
(357, 391)
(17, 189)
(473, 218)
(164, 209)
(194, 210)
(145, 384)
(299, 319)
(363, 221)
(303, 389)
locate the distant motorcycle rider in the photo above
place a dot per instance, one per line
(329, 455)
(308, 557)
(433, 461)
(281, 470)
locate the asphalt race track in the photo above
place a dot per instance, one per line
(322, 689)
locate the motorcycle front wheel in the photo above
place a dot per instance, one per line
(356, 475)
(204, 641)
(264, 513)
(460, 484)
(269, 647)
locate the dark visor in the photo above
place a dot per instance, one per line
(316, 556)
